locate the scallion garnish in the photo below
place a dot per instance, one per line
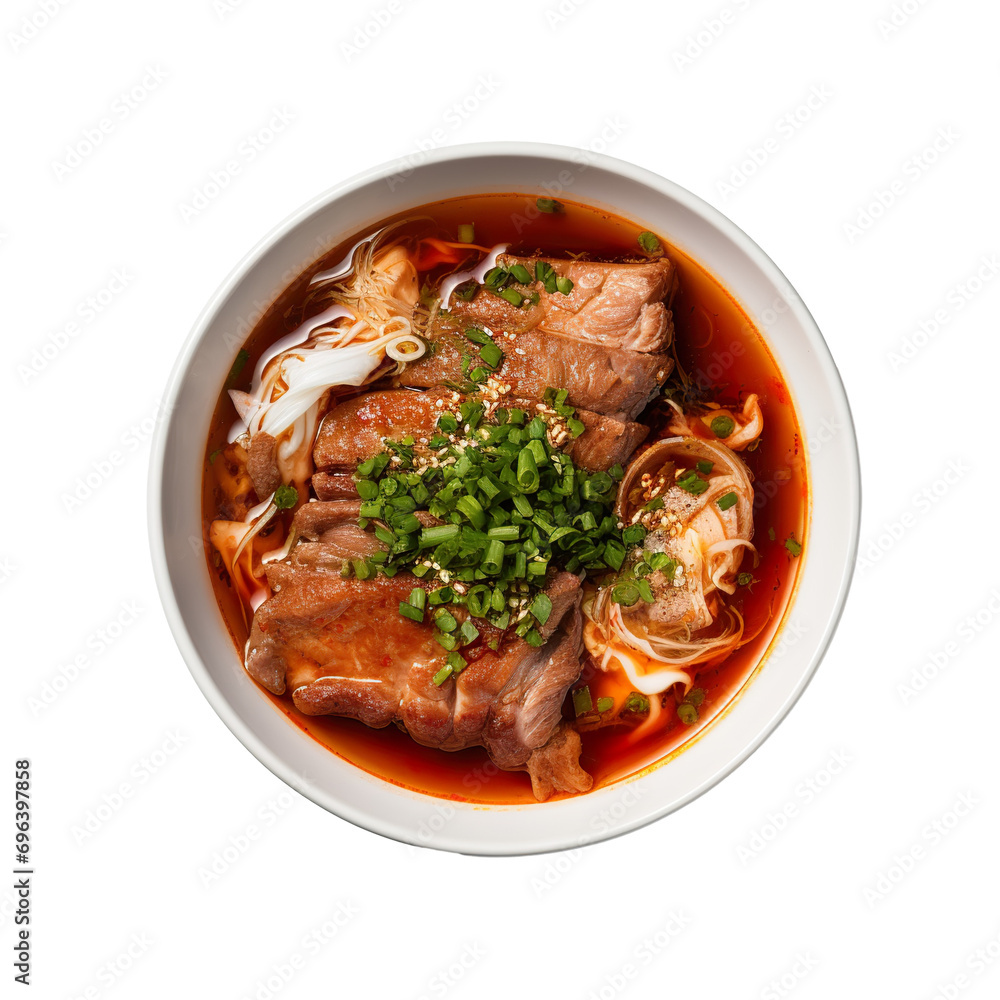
(727, 500)
(722, 426)
(547, 205)
(443, 674)
(582, 701)
(285, 497)
(514, 509)
(691, 482)
(649, 242)
(636, 702)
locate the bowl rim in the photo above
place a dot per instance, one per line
(495, 149)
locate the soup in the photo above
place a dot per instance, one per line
(504, 499)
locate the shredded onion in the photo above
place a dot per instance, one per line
(394, 348)
(475, 274)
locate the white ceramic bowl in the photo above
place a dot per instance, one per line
(175, 510)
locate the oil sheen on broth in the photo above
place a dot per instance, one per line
(723, 358)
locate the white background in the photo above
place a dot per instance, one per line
(882, 879)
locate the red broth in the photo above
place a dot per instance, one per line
(719, 345)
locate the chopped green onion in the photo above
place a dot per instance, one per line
(242, 357)
(688, 714)
(493, 559)
(564, 285)
(285, 497)
(438, 533)
(649, 242)
(514, 297)
(445, 621)
(472, 509)
(478, 601)
(477, 336)
(705, 467)
(727, 500)
(692, 482)
(582, 702)
(527, 472)
(466, 233)
(409, 611)
(793, 546)
(443, 674)
(541, 608)
(491, 354)
(626, 593)
(533, 638)
(520, 274)
(505, 533)
(722, 426)
(605, 704)
(547, 205)
(636, 702)
(468, 632)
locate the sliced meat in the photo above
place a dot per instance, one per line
(356, 429)
(262, 465)
(606, 441)
(613, 305)
(334, 485)
(363, 423)
(330, 534)
(555, 767)
(610, 381)
(342, 648)
(529, 706)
